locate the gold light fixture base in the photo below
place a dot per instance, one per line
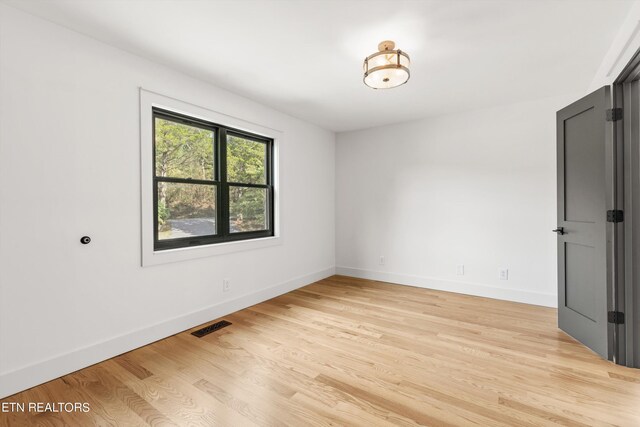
(386, 45)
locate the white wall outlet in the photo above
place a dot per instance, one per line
(504, 274)
(381, 259)
(226, 285)
(460, 269)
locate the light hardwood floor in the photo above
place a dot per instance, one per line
(346, 351)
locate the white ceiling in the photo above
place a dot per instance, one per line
(305, 57)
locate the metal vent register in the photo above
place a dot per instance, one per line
(211, 328)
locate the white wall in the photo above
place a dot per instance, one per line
(476, 188)
(70, 166)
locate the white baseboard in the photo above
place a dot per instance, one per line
(21, 379)
(481, 290)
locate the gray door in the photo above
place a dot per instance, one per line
(583, 144)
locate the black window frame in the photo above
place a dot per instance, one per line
(223, 233)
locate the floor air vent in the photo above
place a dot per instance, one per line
(211, 328)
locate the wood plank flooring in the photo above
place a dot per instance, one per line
(353, 352)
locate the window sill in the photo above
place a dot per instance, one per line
(181, 254)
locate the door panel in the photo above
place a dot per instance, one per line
(580, 283)
(582, 155)
(582, 205)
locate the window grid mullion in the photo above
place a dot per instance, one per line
(185, 180)
(224, 208)
(240, 184)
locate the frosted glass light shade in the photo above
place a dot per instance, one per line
(387, 68)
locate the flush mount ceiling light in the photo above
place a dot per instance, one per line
(386, 68)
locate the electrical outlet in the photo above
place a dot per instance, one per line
(381, 259)
(226, 285)
(504, 274)
(460, 270)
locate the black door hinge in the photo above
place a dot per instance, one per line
(615, 216)
(614, 114)
(616, 317)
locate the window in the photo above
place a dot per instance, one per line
(212, 183)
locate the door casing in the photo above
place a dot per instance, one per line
(626, 95)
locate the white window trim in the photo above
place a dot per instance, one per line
(148, 100)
